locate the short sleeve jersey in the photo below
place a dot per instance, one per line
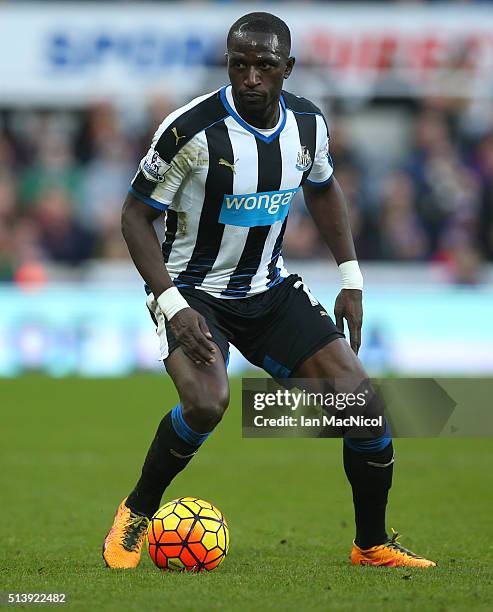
(225, 188)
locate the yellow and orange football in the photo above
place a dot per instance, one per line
(188, 534)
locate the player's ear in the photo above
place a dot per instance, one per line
(289, 67)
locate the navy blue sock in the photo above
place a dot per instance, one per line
(369, 467)
(173, 447)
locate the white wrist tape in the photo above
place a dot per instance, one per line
(351, 275)
(171, 301)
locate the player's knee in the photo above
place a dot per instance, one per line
(204, 410)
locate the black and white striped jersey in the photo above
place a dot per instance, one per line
(225, 188)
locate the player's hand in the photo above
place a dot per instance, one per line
(349, 306)
(192, 333)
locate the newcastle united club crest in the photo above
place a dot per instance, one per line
(303, 161)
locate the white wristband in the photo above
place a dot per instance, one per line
(171, 301)
(351, 275)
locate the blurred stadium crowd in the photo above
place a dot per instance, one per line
(64, 175)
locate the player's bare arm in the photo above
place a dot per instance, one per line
(328, 208)
(188, 325)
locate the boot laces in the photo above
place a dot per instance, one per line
(393, 543)
(135, 528)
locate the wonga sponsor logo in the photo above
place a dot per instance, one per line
(252, 209)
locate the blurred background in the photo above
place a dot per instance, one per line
(407, 88)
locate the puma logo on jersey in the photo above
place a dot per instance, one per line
(178, 138)
(231, 166)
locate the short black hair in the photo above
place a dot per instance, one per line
(265, 23)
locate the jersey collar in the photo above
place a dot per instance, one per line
(249, 127)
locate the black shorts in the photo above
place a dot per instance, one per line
(276, 330)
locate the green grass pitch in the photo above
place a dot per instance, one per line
(71, 449)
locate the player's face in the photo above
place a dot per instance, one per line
(257, 67)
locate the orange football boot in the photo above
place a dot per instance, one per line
(390, 554)
(123, 545)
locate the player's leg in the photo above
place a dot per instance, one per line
(368, 462)
(204, 396)
(318, 351)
